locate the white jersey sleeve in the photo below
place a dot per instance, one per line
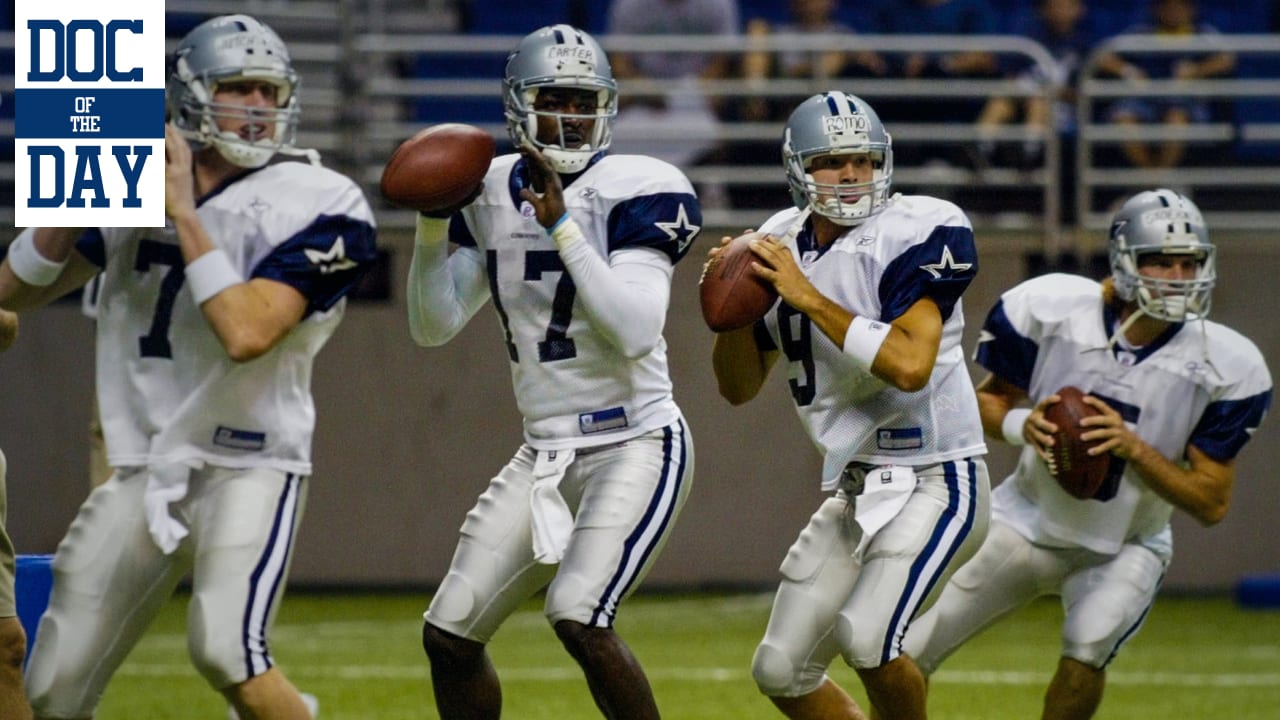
(917, 247)
(168, 393)
(1199, 384)
(577, 383)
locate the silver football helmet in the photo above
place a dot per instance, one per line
(1162, 221)
(224, 49)
(559, 56)
(837, 123)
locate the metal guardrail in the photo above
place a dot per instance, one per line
(1096, 92)
(382, 136)
(356, 119)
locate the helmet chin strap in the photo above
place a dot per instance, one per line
(1123, 327)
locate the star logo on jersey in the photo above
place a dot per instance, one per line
(985, 336)
(947, 265)
(946, 403)
(259, 206)
(680, 230)
(331, 260)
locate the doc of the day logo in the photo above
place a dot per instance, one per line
(89, 113)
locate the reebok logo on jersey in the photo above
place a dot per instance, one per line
(239, 439)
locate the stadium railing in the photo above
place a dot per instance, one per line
(1233, 164)
(361, 87)
(453, 97)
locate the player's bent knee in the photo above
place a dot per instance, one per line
(861, 649)
(568, 599)
(13, 644)
(777, 676)
(47, 699)
(454, 601)
(218, 655)
(443, 646)
(1092, 655)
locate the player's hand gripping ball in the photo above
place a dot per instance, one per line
(732, 295)
(1079, 473)
(438, 168)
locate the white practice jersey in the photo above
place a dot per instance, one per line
(917, 247)
(167, 390)
(1200, 384)
(572, 386)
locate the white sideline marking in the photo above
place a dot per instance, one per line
(704, 674)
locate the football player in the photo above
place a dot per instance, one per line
(869, 322)
(13, 700)
(1179, 396)
(206, 334)
(575, 248)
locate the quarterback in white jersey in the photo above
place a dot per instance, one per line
(870, 323)
(207, 332)
(576, 249)
(1179, 395)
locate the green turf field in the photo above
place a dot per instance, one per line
(1196, 658)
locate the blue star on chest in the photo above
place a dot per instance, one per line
(946, 266)
(680, 230)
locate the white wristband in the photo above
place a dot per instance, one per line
(863, 340)
(29, 265)
(1011, 426)
(565, 232)
(210, 274)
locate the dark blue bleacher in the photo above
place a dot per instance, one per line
(487, 17)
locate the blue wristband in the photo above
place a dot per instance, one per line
(563, 219)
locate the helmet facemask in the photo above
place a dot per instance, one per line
(227, 50)
(843, 203)
(837, 123)
(568, 152)
(1162, 222)
(1168, 299)
(559, 57)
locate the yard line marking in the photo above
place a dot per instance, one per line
(715, 674)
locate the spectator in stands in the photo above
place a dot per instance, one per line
(1058, 25)
(940, 17)
(1172, 19)
(664, 90)
(936, 17)
(807, 17)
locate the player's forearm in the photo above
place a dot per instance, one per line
(739, 365)
(444, 292)
(41, 267)
(625, 302)
(8, 329)
(1199, 494)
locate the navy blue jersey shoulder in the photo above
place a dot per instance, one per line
(459, 233)
(93, 246)
(323, 261)
(1227, 425)
(940, 268)
(1003, 351)
(665, 221)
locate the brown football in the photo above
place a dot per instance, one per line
(1079, 473)
(438, 167)
(732, 295)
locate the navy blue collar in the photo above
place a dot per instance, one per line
(1111, 321)
(807, 242)
(519, 179)
(217, 189)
